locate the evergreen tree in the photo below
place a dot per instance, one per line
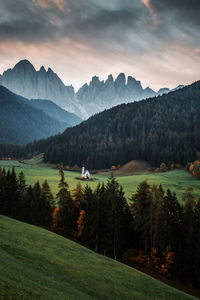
(11, 194)
(174, 219)
(78, 196)
(142, 207)
(188, 263)
(118, 218)
(68, 211)
(23, 202)
(36, 213)
(2, 192)
(160, 226)
(196, 249)
(47, 204)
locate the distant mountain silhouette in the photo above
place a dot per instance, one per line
(21, 123)
(91, 98)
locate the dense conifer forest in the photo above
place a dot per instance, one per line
(154, 232)
(161, 129)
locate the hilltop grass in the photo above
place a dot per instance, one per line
(38, 264)
(177, 180)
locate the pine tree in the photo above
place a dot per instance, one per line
(47, 204)
(11, 194)
(36, 212)
(68, 211)
(141, 208)
(118, 218)
(23, 205)
(78, 196)
(188, 234)
(196, 249)
(174, 220)
(2, 192)
(160, 226)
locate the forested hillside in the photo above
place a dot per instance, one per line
(161, 129)
(21, 123)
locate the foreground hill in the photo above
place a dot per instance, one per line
(21, 123)
(38, 264)
(160, 129)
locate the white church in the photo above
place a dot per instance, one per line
(85, 173)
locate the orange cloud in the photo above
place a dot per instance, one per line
(151, 10)
(47, 4)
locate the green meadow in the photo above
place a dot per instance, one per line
(37, 264)
(177, 180)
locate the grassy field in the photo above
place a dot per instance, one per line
(177, 180)
(36, 264)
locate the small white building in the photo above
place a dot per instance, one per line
(85, 173)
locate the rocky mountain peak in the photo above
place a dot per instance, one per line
(121, 78)
(42, 69)
(95, 79)
(24, 65)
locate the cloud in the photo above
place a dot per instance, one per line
(151, 10)
(48, 4)
(153, 40)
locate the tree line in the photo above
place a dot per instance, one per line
(152, 232)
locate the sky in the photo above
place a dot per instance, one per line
(156, 42)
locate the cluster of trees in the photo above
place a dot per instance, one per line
(167, 234)
(99, 219)
(160, 129)
(29, 204)
(194, 168)
(153, 231)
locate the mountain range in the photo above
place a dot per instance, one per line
(91, 98)
(22, 121)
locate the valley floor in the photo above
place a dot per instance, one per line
(177, 180)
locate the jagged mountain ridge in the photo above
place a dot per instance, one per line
(91, 98)
(24, 80)
(100, 95)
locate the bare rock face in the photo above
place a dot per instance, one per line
(100, 95)
(24, 80)
(91, 98)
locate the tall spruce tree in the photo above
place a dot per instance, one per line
(188, 235)
(68, 211)
(141, 208)
(118, 218)
(23, 205)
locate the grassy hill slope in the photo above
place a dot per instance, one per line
(38, 264)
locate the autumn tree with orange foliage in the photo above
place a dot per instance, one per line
(80, 223)
(56, 219)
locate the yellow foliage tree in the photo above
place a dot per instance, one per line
(56, 219)
(80, 223)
